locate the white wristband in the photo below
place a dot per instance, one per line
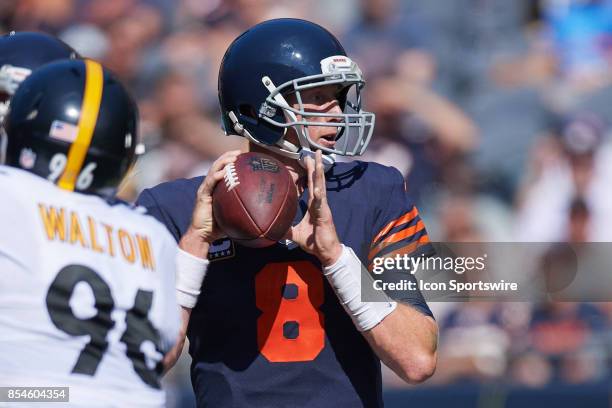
(190, 273)
(345, 277)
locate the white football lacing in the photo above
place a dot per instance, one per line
(231, 178)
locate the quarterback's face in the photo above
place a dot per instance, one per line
(323, 99)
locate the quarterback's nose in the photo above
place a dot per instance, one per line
(334, 107)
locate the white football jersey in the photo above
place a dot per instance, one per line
(87, 296)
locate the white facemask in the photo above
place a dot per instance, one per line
(10, 79)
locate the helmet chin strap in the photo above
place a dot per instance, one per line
(283, 147)
(4, 108)
(3, 145)
(328, 159)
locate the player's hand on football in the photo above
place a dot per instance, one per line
(316, 233)
(203, 225)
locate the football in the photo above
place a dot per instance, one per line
(256, 201)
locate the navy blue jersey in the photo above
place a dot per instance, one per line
(268, 329)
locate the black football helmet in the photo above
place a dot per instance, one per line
(279, 57)
(73, 123)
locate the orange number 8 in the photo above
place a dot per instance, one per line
(290, 293)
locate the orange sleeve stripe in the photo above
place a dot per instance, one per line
(398, 236)
(423, 239)
(409, 216)
(407, 249)
(405, 233)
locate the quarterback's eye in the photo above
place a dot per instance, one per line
(318, 98)
(321, 95)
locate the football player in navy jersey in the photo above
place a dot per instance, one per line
(18, 60)
(286, 325)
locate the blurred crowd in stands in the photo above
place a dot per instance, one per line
(497, 112)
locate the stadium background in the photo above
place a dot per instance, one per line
(496, 112)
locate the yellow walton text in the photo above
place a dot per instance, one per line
(69, 227)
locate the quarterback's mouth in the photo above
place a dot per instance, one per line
(328, 141)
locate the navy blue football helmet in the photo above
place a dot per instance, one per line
(20, 54)
(285, 56)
